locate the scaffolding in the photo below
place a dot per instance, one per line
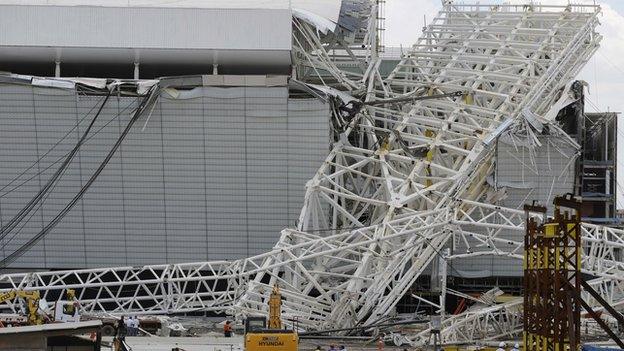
(552, 281)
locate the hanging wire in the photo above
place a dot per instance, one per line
(14, 222)
(44, 170)
(39, 159)
(150, 96)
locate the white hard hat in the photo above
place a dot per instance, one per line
(502, 344)
(516, 345)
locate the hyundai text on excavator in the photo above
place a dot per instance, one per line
(274, 338)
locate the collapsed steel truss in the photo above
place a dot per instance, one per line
(402, 182)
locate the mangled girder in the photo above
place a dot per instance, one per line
(405, 181)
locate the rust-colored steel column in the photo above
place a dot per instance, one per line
(552, 278)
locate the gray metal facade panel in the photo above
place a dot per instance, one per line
(27, 123)
(213, 177)
(50, 112)
(525, 177)
(266, 126)
(184, 184)
(144, 200)
(166, 28)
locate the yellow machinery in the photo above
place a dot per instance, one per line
(70, 307)
(67, 310)
(32, 303)
(275, 309)
(260, 338)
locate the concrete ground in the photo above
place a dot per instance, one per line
(212, 343)
(350, 345)
(202, 343)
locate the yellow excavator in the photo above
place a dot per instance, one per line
(274, 338)
(32, 303)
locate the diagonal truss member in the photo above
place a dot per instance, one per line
(405, 180)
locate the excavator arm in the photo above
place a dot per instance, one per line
(8, 295)
(32, 303)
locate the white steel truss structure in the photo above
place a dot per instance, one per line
(601, 258)
(505, 321)
(405, 179)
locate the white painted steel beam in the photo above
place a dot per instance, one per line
(405, 181)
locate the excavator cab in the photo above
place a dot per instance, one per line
(272, 337)
(255, 323)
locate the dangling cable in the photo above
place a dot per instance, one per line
(22, 249)
(6, 229)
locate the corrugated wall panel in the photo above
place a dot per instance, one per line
(51, 111)
(307, 134)
(266, 125)
(103, 203)
(144, 200)
(19, 154)
(525, 176)
(224, 136)
(215, 176)
(184, 172)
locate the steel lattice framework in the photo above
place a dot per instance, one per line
(402, 182)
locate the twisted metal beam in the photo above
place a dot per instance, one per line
(403, 180)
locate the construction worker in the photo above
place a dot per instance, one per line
(501, 346)
(380, 344)
(122, 330)
(128, 325)
(516, 347)
(227, 329)
(135, 326)
(120, 335)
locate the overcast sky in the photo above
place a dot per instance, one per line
(604, 72)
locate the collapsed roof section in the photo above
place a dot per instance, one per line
(406, 181)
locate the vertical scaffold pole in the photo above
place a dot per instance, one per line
(552, 284)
